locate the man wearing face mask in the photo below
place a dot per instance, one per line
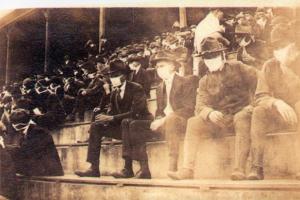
(126, 100)
(175, 104)
(277, 96)
(222, 103)
(33, 151)
(251, 51)
(139, 74)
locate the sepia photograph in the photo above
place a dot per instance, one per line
(149, 101)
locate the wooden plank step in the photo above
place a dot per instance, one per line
(71, 187)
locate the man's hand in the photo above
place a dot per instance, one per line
(103, 118)
(83, 92)
(286, 111)
(96, 109)
(217, 118)
(2, 142)
(157, 123)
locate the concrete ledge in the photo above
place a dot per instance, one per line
(214, 158)
(71, 187)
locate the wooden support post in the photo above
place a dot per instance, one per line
(7, 66)
(46, 15)
(182, 17)
(101, 26)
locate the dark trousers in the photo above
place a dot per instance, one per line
(83, 103)
(266, 120)
(97, 132)
(137, 132)
(8, 179)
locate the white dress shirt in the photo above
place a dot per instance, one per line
(168, 109)
(122, 90)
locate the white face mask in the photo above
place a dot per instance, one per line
(163, 73)
(133, 66)
(20, 126)
(214, 64)
(282, 55)
(243, 42)
(262, 23)
(116, 81)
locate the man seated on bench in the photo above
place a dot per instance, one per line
(277, 95)
(175, 104)
(222, 103)
(126, 100)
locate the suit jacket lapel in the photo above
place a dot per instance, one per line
(174, 90)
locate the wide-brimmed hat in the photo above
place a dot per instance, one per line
(281, 33)
(19, 116)
(166, 55)
(211, 45)
(117, 67)
(135, 58)
(245, 29)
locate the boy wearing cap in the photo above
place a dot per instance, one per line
(277, 98)
(176, 97)
(126, 100)
(31, 147)
(139, 74)
(223, 97)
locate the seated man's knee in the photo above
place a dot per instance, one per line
(260, 111)
(173, 119)
(244, 115)
(126, 122)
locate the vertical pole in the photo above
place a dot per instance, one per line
(182, 17)
(101, 25)
(46, 15)
(7, 67)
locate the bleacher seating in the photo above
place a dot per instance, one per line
(213, 167)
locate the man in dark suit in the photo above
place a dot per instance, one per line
(126, 100)
(175, 104)
(31, 147)
(139, 74)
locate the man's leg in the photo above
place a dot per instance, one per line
(196, 129)
(127, 171)
(263, 121)
(93, 151)
(175, 127)
(297, 109)
(140, 133)
(242, 125)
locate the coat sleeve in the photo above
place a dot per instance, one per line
(263, 94)
(138, 105)
(203, 101)
(189, 91)
(249, 75)
(95, 87)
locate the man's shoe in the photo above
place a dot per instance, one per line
(173, 164)
(124, 173)
(238, 175)
(88, 173)
(256, 173)
(143, 175)
(181, 174)
(70, 118)
(298, 176)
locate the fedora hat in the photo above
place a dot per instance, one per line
(166, 55)
(116, 67)
(210, 46)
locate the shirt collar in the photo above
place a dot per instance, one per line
(122, 88)
(27, 127)
(170, 80)
(137, 69)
